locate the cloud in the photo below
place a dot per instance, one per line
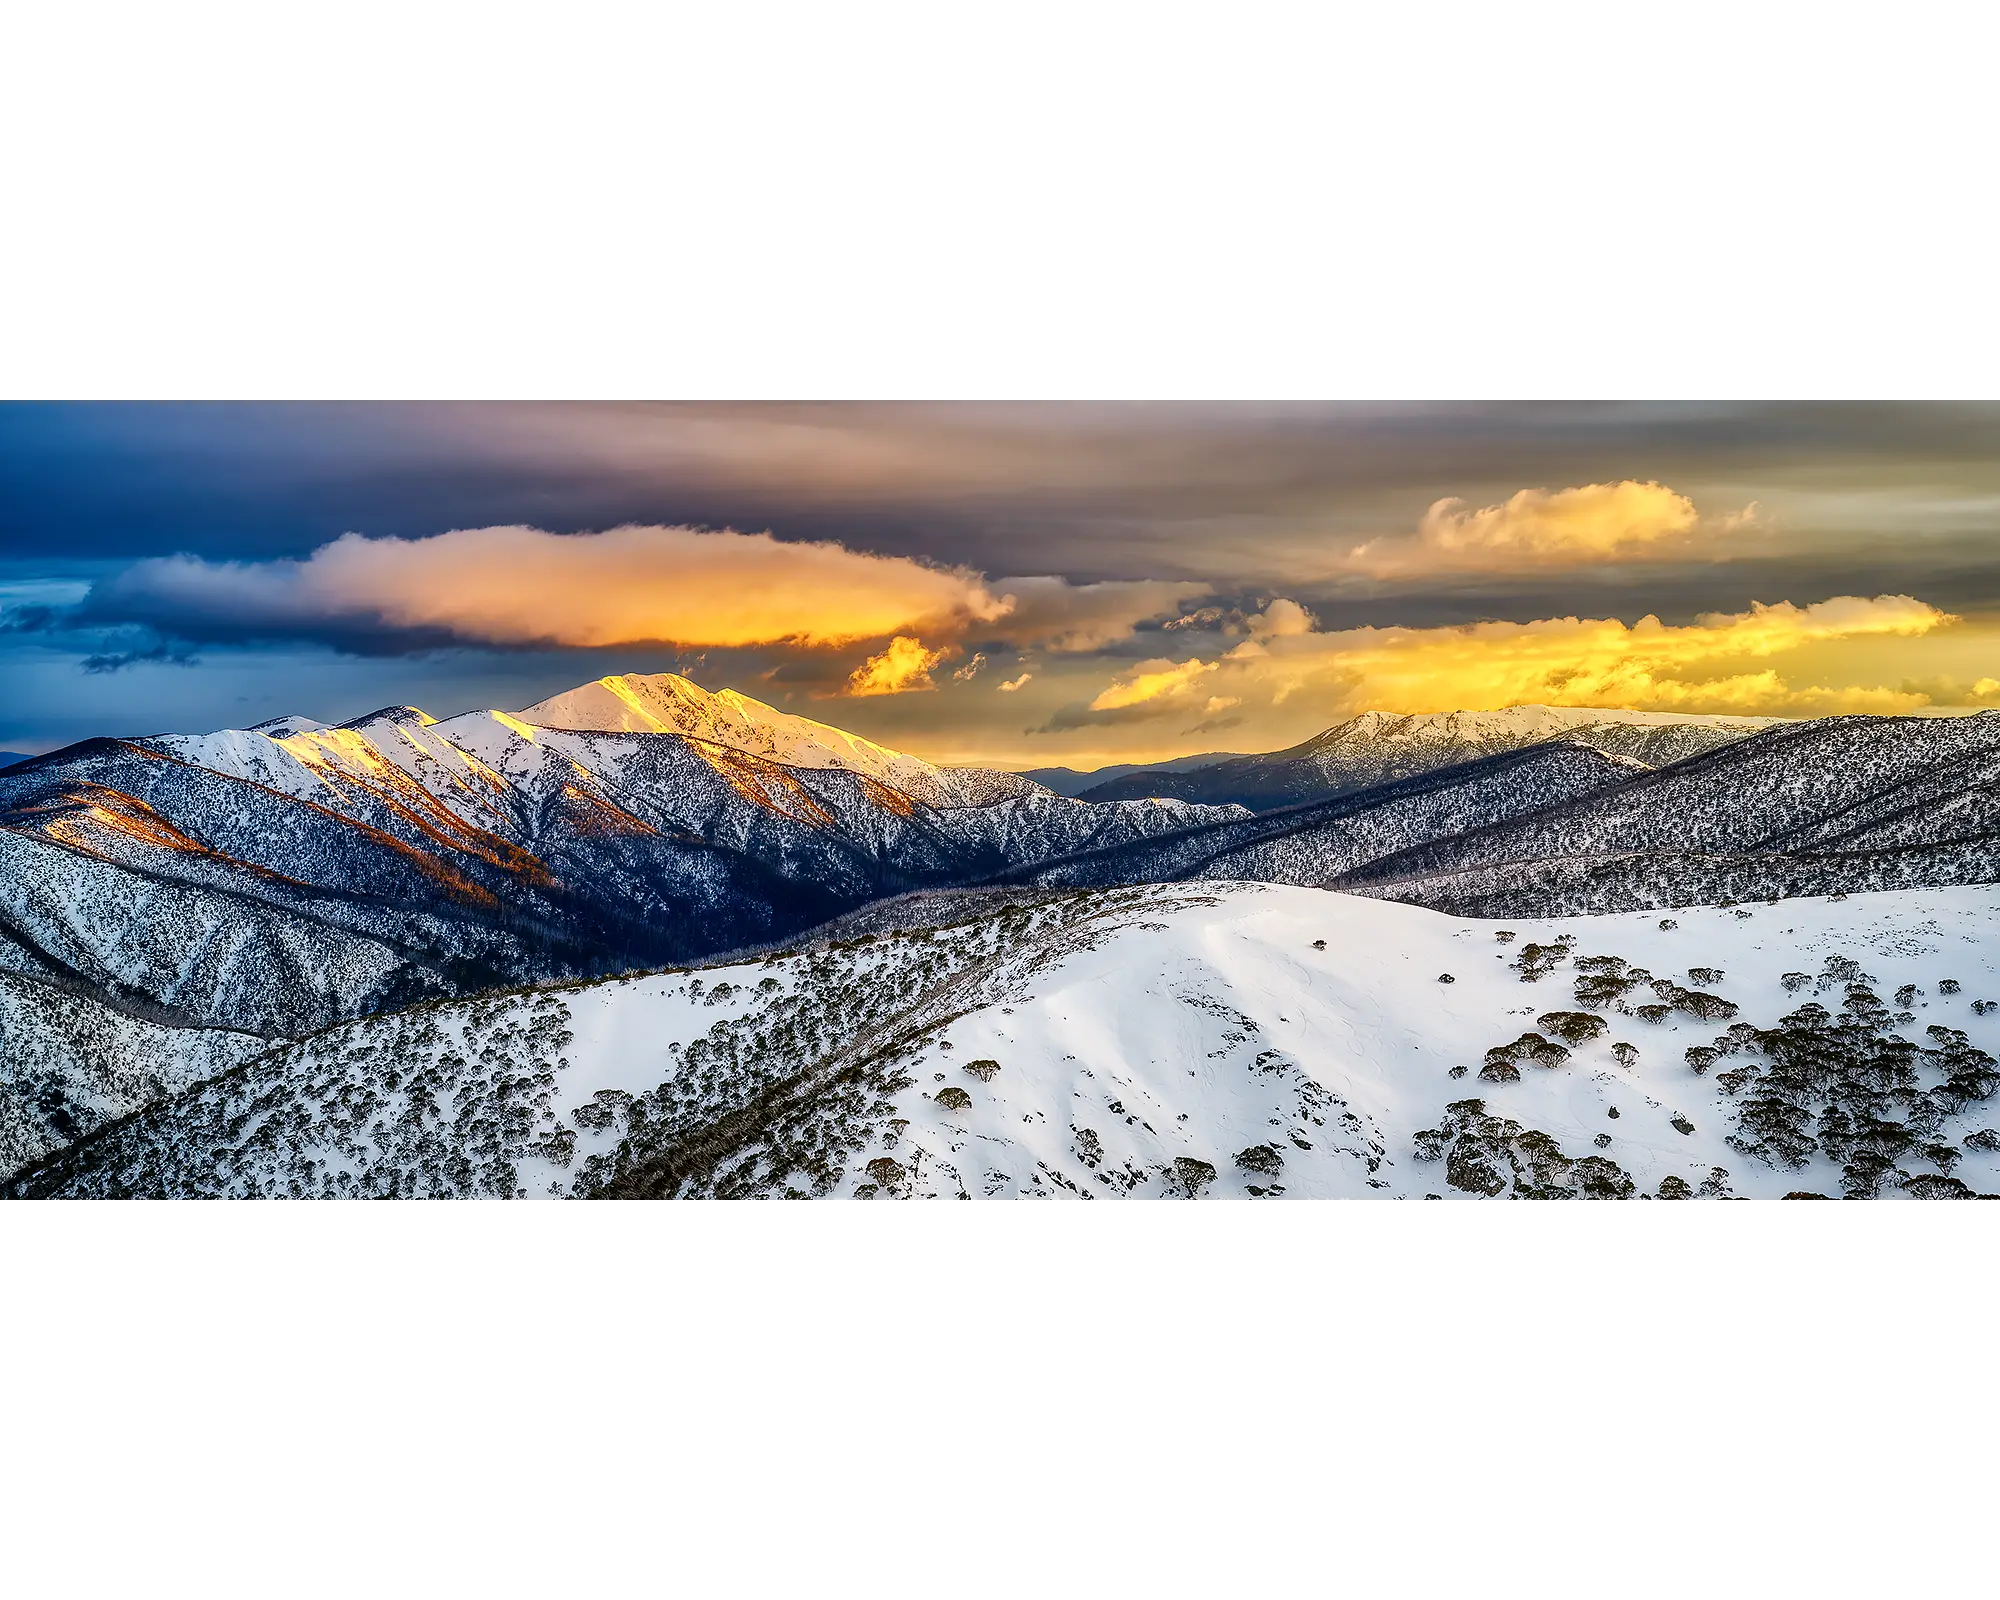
(1536, 528)
(1012, 684)
(1557, 661)
(903, 668)
(162, 654)
(522, 587)
(1154, 680)
(1280, 619)
(1067, 618)
(970, 670)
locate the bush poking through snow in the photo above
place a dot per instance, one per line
(1261, 1158)
(953, 1098)
(1675, 1188)
(1572, 1027)
(1192, 1175)
(985, 1069)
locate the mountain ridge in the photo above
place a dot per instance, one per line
(1379, 747)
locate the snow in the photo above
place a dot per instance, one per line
(665, 702)
(1148, 1036)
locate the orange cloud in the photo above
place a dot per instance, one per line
(1558, 661)
(627, 586)
(1536, 528)
(903, 668)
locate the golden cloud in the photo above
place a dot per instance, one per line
(1559, 661)
(1154, 681)
(627, 586)
(1537, 528)
(901, 669)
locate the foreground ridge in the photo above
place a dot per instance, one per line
(1221, 1040)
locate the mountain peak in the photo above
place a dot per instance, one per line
(666, 702)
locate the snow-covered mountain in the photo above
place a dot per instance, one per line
(1380, 747)
(282, 877)
(1842, 804)
(1313, 843)
(665, 702)
(1199, 1041)
(1069, 781)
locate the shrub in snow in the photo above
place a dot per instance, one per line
(1675, 1188)
(1193, 1176)
(1599, 1179)
(1948, 986)
(953, 1098)
(1261, 1158)
(1929, 1186)
(983, 1069)
(887, 1172)
(1572, 1027)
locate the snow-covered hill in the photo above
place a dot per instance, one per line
(283, 877)
(72, 1064)
(665, 702)
(1312, 843)
(1381, 747)
(1213, 1041)
(1841, 804)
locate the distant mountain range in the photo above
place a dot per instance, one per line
(1069, 781)
(1378, 747)
(9, 757)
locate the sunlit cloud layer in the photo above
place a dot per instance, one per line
(1593, 522)
(523, 587)
(1706, 666)
(1013, 584)
(901, 669)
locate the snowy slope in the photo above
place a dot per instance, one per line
(72, 1065)
(1837, 804)
(284, 877)
(665, 702)
(1380, 747)
(1219, 1041)
(1312, 843)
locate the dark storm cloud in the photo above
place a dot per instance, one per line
(1086, 491)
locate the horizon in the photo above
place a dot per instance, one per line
(1021, 586)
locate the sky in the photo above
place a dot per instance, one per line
(1013, 584)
